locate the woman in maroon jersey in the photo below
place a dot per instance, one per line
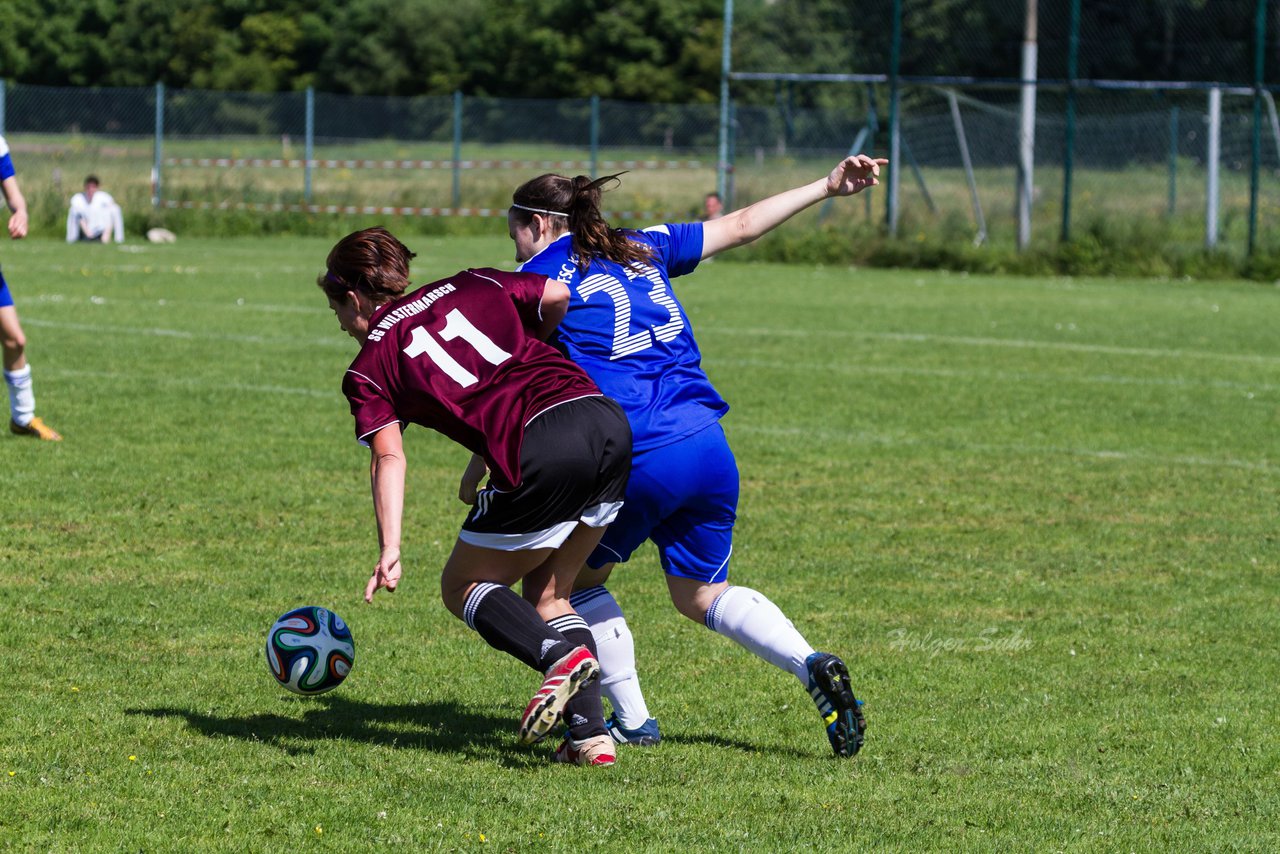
(462, 356)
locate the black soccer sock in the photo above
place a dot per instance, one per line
(510, 624)
(583, 713)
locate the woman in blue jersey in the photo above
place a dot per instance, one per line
(627, 329)
(23, 420)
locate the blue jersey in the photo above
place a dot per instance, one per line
(6, 162)
(626, 328)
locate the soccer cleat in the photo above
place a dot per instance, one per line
(645, 735)
(840, 710)
(597, 750)
(35, 427)
(563, 680)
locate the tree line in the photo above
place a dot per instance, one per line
(659, 51)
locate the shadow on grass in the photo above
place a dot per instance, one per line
(441, 727)
(719, 741)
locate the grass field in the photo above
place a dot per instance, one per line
(1037, 517)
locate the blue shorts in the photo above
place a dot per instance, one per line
(6, 298)
(684, 497)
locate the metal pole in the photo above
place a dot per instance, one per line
(457, 150)
(1069, 143)
(981, 236)
(1173, 160)
(310, 142)
(1258, 67)
(895, 137)
(731, 189)
(595, 136)
(1027, 134)
(726, 47)
(1213, 156)
(157, 175)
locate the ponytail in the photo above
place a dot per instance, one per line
(579, 198)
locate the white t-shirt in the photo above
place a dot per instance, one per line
(101, 214)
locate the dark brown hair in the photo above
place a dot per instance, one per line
(579, 198)
(371, 262)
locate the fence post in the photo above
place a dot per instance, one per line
(726, 46)
(1069, 143)
(1027, 131)
(895, 135)
(457, 150)
(730, 184)
(1173, 160)
(595, 136)
(157, 179)
(309, 147)
(1260, 46)
(1213, 156)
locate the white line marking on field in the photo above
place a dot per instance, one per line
(1020, 343)
(180, 382)
(161, 332)
(908, 337)
(863, 437)
(855, 369)
(239, 304)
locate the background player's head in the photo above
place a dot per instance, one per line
(545, 207)
(713, 206)
(90, 186)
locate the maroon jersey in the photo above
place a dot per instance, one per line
(458, 356)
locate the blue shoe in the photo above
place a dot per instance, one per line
(645, 735)
(840, 710)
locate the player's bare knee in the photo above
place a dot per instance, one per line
(589, 577)
(14, 344)
(694, 598)
(453, 592)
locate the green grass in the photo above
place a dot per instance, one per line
(1036, 516)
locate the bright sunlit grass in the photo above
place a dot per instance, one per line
(1037, 517)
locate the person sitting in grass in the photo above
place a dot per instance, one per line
(94, 216)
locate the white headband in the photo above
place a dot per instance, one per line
(538, 210)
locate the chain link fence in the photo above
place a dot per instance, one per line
(973, 163)
(431, 156)
(1098, 113)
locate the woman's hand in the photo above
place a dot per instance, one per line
(386, 574)
(469, 486)
(854, 174)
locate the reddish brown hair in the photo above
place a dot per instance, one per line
(579, 198)
(370, 262)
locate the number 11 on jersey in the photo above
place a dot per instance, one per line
(423, 343)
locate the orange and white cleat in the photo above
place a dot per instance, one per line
(564, 678)
(35, 428)
(599, 750)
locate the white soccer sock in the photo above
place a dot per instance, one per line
(749, 618)
(616, 651)
(22, 400)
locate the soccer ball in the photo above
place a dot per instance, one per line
(310, 650)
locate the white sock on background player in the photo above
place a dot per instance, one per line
(616, 651)
(22, 400)
(748, 618)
